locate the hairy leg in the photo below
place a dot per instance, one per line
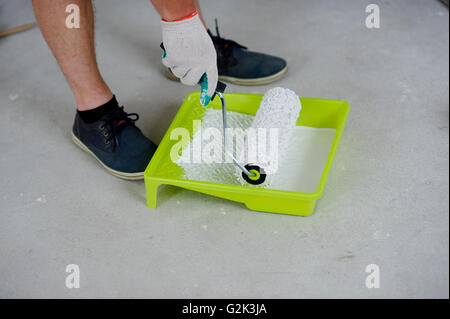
(74, 49)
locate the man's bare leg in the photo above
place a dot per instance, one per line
(74, 50)
(101, 128)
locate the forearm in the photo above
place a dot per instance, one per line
(171, 10)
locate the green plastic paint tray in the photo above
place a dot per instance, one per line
(317, 113)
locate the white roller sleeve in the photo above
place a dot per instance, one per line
(279, 110)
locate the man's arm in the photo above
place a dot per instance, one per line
(171, 10)
(189, 50)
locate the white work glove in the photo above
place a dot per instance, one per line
(190, 53)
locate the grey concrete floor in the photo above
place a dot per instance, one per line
(386, 201)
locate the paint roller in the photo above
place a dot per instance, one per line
(276, 115)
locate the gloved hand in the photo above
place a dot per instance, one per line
(190, 53)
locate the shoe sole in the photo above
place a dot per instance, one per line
(240, 81)
(122, 175)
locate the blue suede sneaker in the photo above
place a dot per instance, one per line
(116, 143)
(239, 66)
